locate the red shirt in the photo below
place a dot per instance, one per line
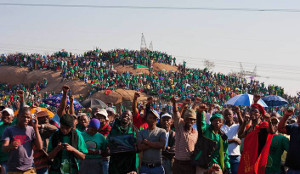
(104, 130)
(139, 122)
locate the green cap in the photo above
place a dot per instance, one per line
(216, 115)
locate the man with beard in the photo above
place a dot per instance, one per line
(186, 138)
(124, 158)
(169, 152)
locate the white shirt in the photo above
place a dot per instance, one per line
(167, 140)
(232, 132)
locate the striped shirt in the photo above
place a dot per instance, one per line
(184, 142)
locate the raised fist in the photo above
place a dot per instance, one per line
(137, 95)
(65, 89)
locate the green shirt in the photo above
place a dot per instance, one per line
(94, 142)
(4, 156)
(215, 157)
(117, 163)
(65, 158)
(279, 144)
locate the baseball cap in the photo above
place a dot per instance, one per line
(9, 111)
(152, 111)
(190, 113)
(102, 112)
(166, 115)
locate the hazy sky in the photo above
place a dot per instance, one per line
(268, 40)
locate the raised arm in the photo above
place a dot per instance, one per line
(63, 103)
(242, 130)
(237, 110)
(149, 104)
(185, 105)
(283, 122)
(176, 114)
(72, 109)
(38, 142)
(22, 99)
(134, 103)
(201, 123)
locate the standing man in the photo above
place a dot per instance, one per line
(292, 160)
(139, 121)
(104, 129)
(111, 115)
(46, 130)
(19, 141)
(279, 144)
(7, 120)
(151, 141)
(169, 152)
(185, 140)
(231, 130)
(66, 147)
(96, 144)
(122, 141)
(219, 155)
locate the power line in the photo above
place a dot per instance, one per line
(284, 67)
(152, 7)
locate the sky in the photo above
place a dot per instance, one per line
(267, 40)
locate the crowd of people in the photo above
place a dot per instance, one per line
(97, 68)
(184, 127)
(193, 138)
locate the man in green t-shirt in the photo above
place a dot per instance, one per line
(96, 144)
(66, 147)
(7, 120)
(279, 144)
(122, 144)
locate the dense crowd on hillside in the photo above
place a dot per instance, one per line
(97, 68)
(191, 131)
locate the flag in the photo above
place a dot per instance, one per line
(251, 161)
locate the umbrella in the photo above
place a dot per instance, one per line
(54, 101)
(38, 109)
(244, 100)
(92, 102)
(274, 100)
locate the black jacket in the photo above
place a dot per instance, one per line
(169, 154)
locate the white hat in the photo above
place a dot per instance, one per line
(110, 109)
(9, 111)
(102, 112)
(166, 115)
